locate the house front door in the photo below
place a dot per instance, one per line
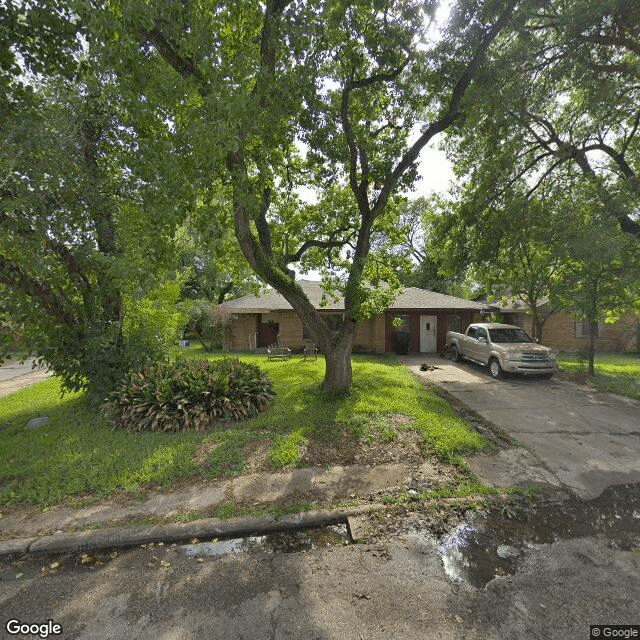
(428, 333)
(268, 333)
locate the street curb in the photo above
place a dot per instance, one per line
(120, 537)
(179, 532)
(17, 546)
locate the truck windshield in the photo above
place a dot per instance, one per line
(509, 335)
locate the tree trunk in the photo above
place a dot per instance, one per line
(536, 325)
(338, 375)
(592, 347)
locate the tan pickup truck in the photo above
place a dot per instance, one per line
(502, 347)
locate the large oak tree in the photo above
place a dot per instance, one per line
(328, 94)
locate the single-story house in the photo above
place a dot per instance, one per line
(563, 331)
(426, 315)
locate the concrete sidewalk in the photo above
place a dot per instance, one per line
(575, 437)
(256, 490)
(16, 375)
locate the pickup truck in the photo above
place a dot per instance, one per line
(502, 347)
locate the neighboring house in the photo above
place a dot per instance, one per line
(566, 333)
(426, 315)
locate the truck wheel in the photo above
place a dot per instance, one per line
(495, 370)
(455, 354)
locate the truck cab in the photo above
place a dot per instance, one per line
(502, 347)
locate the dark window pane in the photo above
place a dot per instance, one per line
(454, 323)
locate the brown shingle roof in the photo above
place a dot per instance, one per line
(411, 298)
(414, 298)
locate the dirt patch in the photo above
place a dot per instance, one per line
(202, 451)
(372, 449)
(400, 420)
(256, 455)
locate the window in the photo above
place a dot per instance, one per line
(583, 329)
(482, 333)
(454, 323)
(507, 336)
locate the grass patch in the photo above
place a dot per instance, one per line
(374, 427)
(190, 517)
(78, 453)
(528, 493)
(614, 372)
(463, 490)
(225, 511)
(285, 451)
(277, 511)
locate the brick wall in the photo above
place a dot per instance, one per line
(290, 329)
(370, 335)
(559, 332)
(241, 334)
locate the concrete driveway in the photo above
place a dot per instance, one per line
(575, 437)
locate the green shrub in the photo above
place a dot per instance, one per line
(582, 355)
(188, 394)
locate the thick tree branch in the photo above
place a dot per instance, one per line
(262, 226)
(389, 125)
(186, 67)
(617, 157)
(543, 177)
(351, 141)
(389, 76)
(612, 41)
(627, 224)
(632, 133)
(308, 244)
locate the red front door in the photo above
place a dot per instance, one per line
(268, 333)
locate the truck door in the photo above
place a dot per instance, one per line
(482, 345)
(470, 343)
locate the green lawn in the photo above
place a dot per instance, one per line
(78, 454)
(615, 372)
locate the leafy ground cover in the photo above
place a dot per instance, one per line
(78, 453)
(615, 372)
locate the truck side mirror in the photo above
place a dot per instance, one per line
(536, 340)
(482, 339)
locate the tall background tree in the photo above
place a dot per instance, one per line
(563, 105)
(418, 236)
(602, 266)
(87, 264)
(81, 250)
(559, 116)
